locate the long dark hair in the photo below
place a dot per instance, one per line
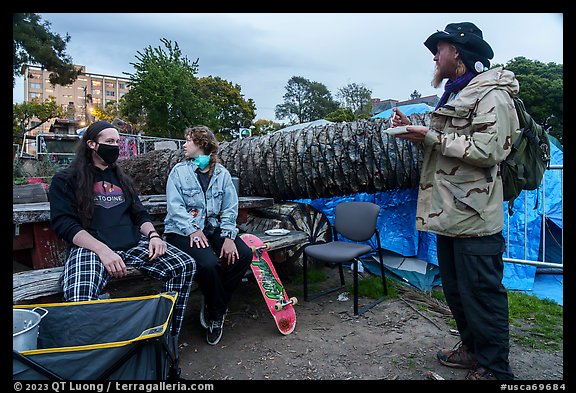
(83, 172)
(205, 139)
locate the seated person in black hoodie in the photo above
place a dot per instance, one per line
(94, 207)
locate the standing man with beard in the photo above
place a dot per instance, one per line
(94, 207)
(461, 198)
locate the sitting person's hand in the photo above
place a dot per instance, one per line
(113, 264)
(156, 247)
(229, 252)
(198, 239)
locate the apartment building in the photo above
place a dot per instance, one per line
(79, 98)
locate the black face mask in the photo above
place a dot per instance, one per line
(109, 153)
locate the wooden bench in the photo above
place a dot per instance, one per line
(43, 280)
(32, 284)
(33, 238)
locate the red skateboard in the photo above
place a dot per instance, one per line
(279, 305)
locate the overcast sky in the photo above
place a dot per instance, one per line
(262, 51)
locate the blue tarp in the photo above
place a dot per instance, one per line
(517, 228)
(548, 286)
(408, 110)
(397, 223)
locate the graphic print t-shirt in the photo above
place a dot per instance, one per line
(112, 222)
(107, 195)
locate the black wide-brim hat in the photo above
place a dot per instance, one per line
(468, 39)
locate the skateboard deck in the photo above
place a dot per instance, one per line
(277, 300)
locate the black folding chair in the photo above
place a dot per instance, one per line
(110, 339)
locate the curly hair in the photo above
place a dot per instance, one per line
(205, 139)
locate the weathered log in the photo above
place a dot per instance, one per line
(32, 284)
(150, 170)
(322, 161)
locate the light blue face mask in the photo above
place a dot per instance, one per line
(202, 161)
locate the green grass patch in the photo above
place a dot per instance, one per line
(371, 287)
(316, 277)
(438, 294)
(535, 322)
(19, 180)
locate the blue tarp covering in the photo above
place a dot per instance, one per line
(548, 286)
(517, 228)
(408, 110)
(397, 223)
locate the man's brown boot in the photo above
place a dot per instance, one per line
(458, 357)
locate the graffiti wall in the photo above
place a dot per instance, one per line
(127, 146)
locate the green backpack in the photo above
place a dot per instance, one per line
(529, 157)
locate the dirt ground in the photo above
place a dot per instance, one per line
(395, 340)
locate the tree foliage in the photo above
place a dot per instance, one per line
(340, 115)
(305, 101)
(34, 43)
(165, 95)
(263, 127)
(542, 90)
(233, 111)
(22, 114)
(108, 113)
(358, 98)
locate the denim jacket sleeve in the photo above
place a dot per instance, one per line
(229, 211)
(178, 219)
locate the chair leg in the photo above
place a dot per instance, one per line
(356, 287)
(307, 295)
(341, 271)
(384, 286)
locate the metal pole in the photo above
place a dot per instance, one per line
(525, 224)
(544, 216)
(508, 233)
(85, 105)
(534, 263)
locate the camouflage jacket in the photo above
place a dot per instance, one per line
(460, 192)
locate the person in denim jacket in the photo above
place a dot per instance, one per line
(202, 207)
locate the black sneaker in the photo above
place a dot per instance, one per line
(203, 313)
(214, 331)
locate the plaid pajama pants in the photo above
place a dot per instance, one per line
(85, 277)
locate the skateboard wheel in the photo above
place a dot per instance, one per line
(278, 307)
(294, 300)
